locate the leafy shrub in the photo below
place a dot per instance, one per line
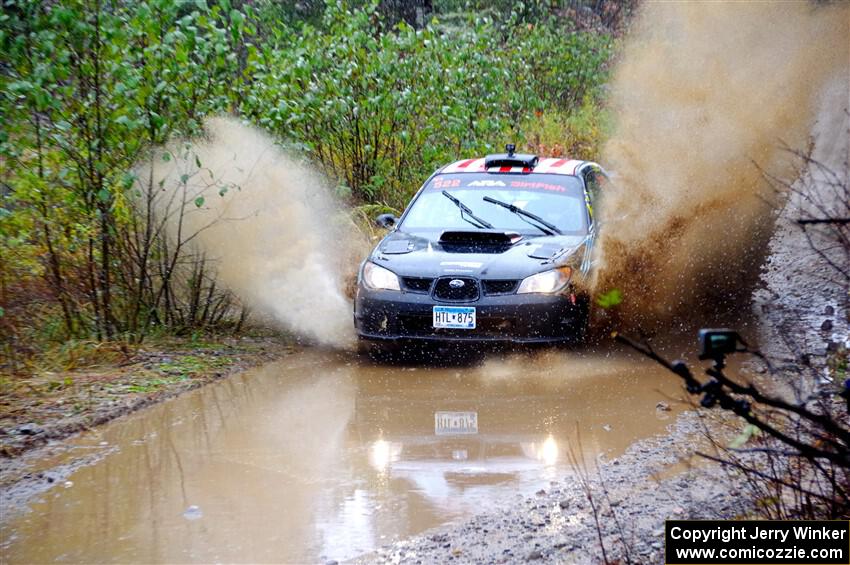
(380, 111)
(579, 133)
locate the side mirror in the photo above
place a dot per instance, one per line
(386, 220)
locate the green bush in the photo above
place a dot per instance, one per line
(380, 111)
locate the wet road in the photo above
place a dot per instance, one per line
(323, 456)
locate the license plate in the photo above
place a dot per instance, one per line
(455, 423)
(454, 317)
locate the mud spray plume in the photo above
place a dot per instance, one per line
(269, 223)
(706, 94)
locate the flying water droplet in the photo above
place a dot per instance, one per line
(193, 513)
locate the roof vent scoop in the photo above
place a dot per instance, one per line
(510, 159)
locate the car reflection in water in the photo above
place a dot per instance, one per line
(455, 452)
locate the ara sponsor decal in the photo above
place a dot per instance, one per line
(486, 183)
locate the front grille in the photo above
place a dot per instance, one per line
(499, 287)
(417, 284)
(443, 289)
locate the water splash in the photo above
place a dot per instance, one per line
(706, 94)
(270, 223)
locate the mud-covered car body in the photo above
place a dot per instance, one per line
(489, 250)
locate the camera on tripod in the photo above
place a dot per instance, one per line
(717, 343)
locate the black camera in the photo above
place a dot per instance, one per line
(716, 343)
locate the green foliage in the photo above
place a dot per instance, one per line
(559, 133)
(837, 363)
(747, 433)
(88, 88)
(381, 111)
(77, 354)
(610, 299)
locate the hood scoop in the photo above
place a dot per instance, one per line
(397, 247)
(546, 252)
(480, 237)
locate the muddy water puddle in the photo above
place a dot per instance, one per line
(324, 457)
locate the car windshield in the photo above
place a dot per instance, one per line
(558, 200)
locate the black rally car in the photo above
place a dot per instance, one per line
(489, 250)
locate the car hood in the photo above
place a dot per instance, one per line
(481, 253)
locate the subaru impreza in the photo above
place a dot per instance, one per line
(494, 249)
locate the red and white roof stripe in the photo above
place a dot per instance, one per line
(552, 165)
(557, 166)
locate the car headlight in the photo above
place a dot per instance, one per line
(546, 282)
(379, 278)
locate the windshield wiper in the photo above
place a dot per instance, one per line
(545, 227)
(464, 209)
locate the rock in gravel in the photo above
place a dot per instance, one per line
(29, 429)
(663, 406)
(826, 326)
(534, 555)
(564, 504)
(828, 311)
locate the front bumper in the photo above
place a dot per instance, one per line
(388, 315)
